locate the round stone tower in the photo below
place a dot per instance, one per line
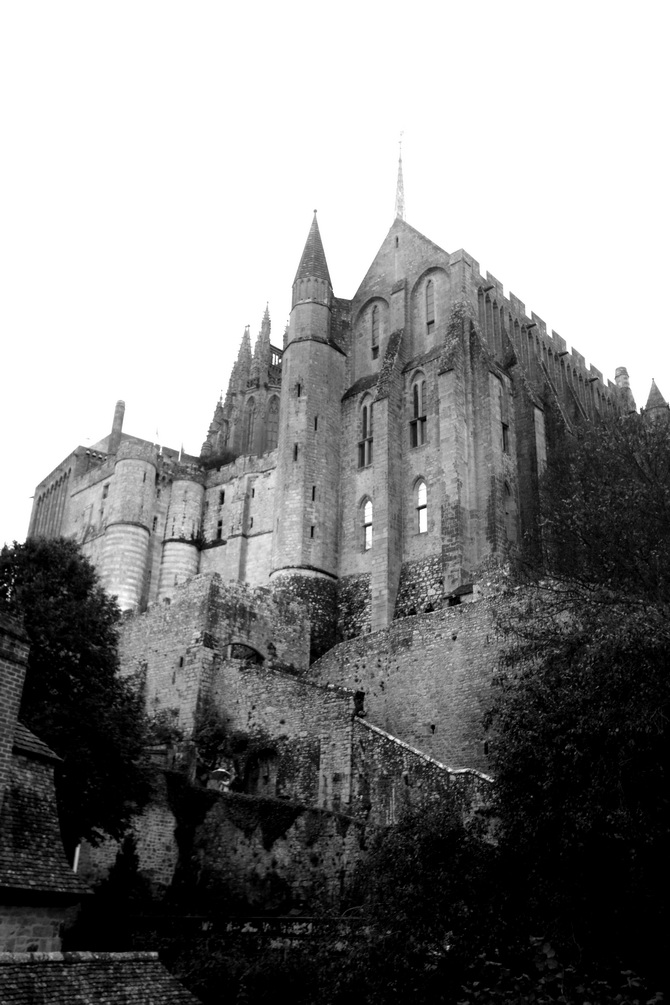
(305, 543)
(181, 554)
(132, 501)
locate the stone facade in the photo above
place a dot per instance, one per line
(426, 403)
(307, 574)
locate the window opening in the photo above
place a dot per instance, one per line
(430, 306)
(422, 507)
(505, 438)
(311, 531)
(155, 524)
(417, 426)
(375, 332)
(250, 419)
(105, 491)
(295, 451)
(298, 390)
(222, 498)
(316, 422)
(367, 525)
(272, 425)
(219, 530)
(313, 492)
(365, 442)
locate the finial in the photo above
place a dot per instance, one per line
(400, 190)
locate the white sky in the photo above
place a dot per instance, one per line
(160, 162)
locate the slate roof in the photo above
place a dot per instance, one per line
(32, 857)
(313, 263)
(88, 979)
(27, 743)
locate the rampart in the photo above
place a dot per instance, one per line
(426, 679)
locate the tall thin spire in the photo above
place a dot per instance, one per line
(400, 188)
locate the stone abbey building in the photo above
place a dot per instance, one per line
(368, 464)
(311, 570)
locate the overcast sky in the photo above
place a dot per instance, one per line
(161, 161)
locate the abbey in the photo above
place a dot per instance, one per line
(367, 464)
(310, 574)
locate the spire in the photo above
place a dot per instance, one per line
(313, 262)
(400, 188)
(655, 399)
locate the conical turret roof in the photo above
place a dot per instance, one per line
(313, 263)
(655, 399)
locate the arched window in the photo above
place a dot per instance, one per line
(366, 514)
(430, 306)
(422, 507)
(365, 441)
(272, 425)
(249, 423)
(375, 332)
(417, 426)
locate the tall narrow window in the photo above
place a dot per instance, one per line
(272, 424)
(375, 332)
(417, 426)
(422, 507)
(430, 306)
(365, 442)
(250, 421)
(367, 525)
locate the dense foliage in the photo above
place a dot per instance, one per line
(580, 724)
(73, 697)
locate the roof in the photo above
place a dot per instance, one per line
(32, 857)
(655, 399)
(88, 979)
(26, 742)
(313, 263)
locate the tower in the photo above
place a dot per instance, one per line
(305, 545)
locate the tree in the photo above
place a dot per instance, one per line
(579, 728)
(74, 697)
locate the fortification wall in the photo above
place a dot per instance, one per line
(426, 679)
(309, 726)
(391, 776)
(174, 646)
(238, 850)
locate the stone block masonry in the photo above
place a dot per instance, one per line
(426, 679)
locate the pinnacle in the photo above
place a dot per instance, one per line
(313, 263)
(655, 399)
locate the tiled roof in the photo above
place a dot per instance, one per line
(31, 848)
(88, 979)
(313, 263)
(27, 743)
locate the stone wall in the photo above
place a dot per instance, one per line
(32, 928)
(353, 606)
(391, 776)
(174, 646)
(238, 852)
(420, 587)
(426, 679)
(308, 729)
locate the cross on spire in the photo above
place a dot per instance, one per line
(400, 190)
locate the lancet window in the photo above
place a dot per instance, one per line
(417, 426)
(365, 441)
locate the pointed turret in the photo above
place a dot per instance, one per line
(400, 189)
(656, 407)
(312, 280)
(655, 399)
(260, 364)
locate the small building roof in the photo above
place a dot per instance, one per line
(89, 979)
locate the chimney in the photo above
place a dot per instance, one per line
(117, 427)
